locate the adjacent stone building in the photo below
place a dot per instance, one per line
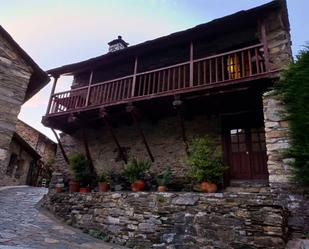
(44, 146)
(20, 79)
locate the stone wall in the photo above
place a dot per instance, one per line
(14, 79)
(176, 220)
(164, 138)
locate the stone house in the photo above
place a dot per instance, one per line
(150, 99)
(20, 79)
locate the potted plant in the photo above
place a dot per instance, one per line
(103, 181)
(206, 167)
(134, 172)
(79, 166)
(164, 180)
(58, 187)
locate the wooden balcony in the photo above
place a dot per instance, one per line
(193, 75)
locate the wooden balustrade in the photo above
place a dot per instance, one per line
(223, 67)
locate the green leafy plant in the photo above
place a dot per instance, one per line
(204, 159)
(135, 169)
(165, 179)
(80, 170)
(105, 176)
(293, 90)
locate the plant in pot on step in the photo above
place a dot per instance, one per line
(80, 171)
(134, 172)
(205, 164)
(164, 180)
(103, 181)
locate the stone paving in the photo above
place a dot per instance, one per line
(22, 226)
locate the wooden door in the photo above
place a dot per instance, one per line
(247, 153)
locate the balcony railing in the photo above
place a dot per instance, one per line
(230, 66)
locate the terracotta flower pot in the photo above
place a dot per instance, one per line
(103, 187)
(58, 189)
(73, 186)
(204, 186)
(162, 189)
(212, 188)
(84, 190)
(137, 185)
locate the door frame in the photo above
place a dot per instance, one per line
(245, 119)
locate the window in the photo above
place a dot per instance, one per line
(233, 67)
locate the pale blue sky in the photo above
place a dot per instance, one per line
(57, 32)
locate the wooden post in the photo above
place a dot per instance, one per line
(265, 46)
(191, 64)
(134, 77)
(52, 93)
(132, 110)
(178, 105)
(104, 115)
(61, 147)
(89, 86)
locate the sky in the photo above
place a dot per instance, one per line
(59, 32)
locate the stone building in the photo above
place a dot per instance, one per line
(150, 99)
(20, 79)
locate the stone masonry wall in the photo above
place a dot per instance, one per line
(277, 139)
(164, 138)
(175, 220)
(14, 79)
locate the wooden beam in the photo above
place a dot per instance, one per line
(52, 93)
(61, 147)
(191, 63)
(87, 150)
(178, 105)
(134, 77)
(104, 115)
(133, 111)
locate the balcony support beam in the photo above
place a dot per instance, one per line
(56, 77)
(104, 115)
(87, 150)
(179, 107)
(134, 114)
(61, 147)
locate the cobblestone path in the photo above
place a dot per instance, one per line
(22, 226)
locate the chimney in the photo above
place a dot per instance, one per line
(117, 44)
